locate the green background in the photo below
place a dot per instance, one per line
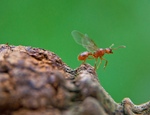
(48, 24)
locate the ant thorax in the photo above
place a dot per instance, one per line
(99, 53)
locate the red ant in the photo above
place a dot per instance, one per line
(89, 44)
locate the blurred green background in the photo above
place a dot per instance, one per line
(48, 24)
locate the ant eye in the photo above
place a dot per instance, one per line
(110, 51)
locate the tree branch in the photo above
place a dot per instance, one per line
(37, 81)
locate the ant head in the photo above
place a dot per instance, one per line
(108, 50)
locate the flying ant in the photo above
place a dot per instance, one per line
(89, 44)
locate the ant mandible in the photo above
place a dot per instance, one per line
(89, 44)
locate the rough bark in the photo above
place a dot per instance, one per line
(35, 81)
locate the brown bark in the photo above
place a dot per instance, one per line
(35, 81)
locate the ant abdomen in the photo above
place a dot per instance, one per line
(84, 55)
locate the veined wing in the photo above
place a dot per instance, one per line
(84, 40)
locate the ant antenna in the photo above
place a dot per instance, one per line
(111, 46)
(118, 47)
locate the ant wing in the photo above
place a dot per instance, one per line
(77, 36)
(89, 44)
(84, 40)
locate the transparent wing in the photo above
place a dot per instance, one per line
(84, 40)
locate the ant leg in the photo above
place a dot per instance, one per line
(105, 63)
(87, 58)
(99, 63)
(90, 58)
(95, 62)
(83, 61)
